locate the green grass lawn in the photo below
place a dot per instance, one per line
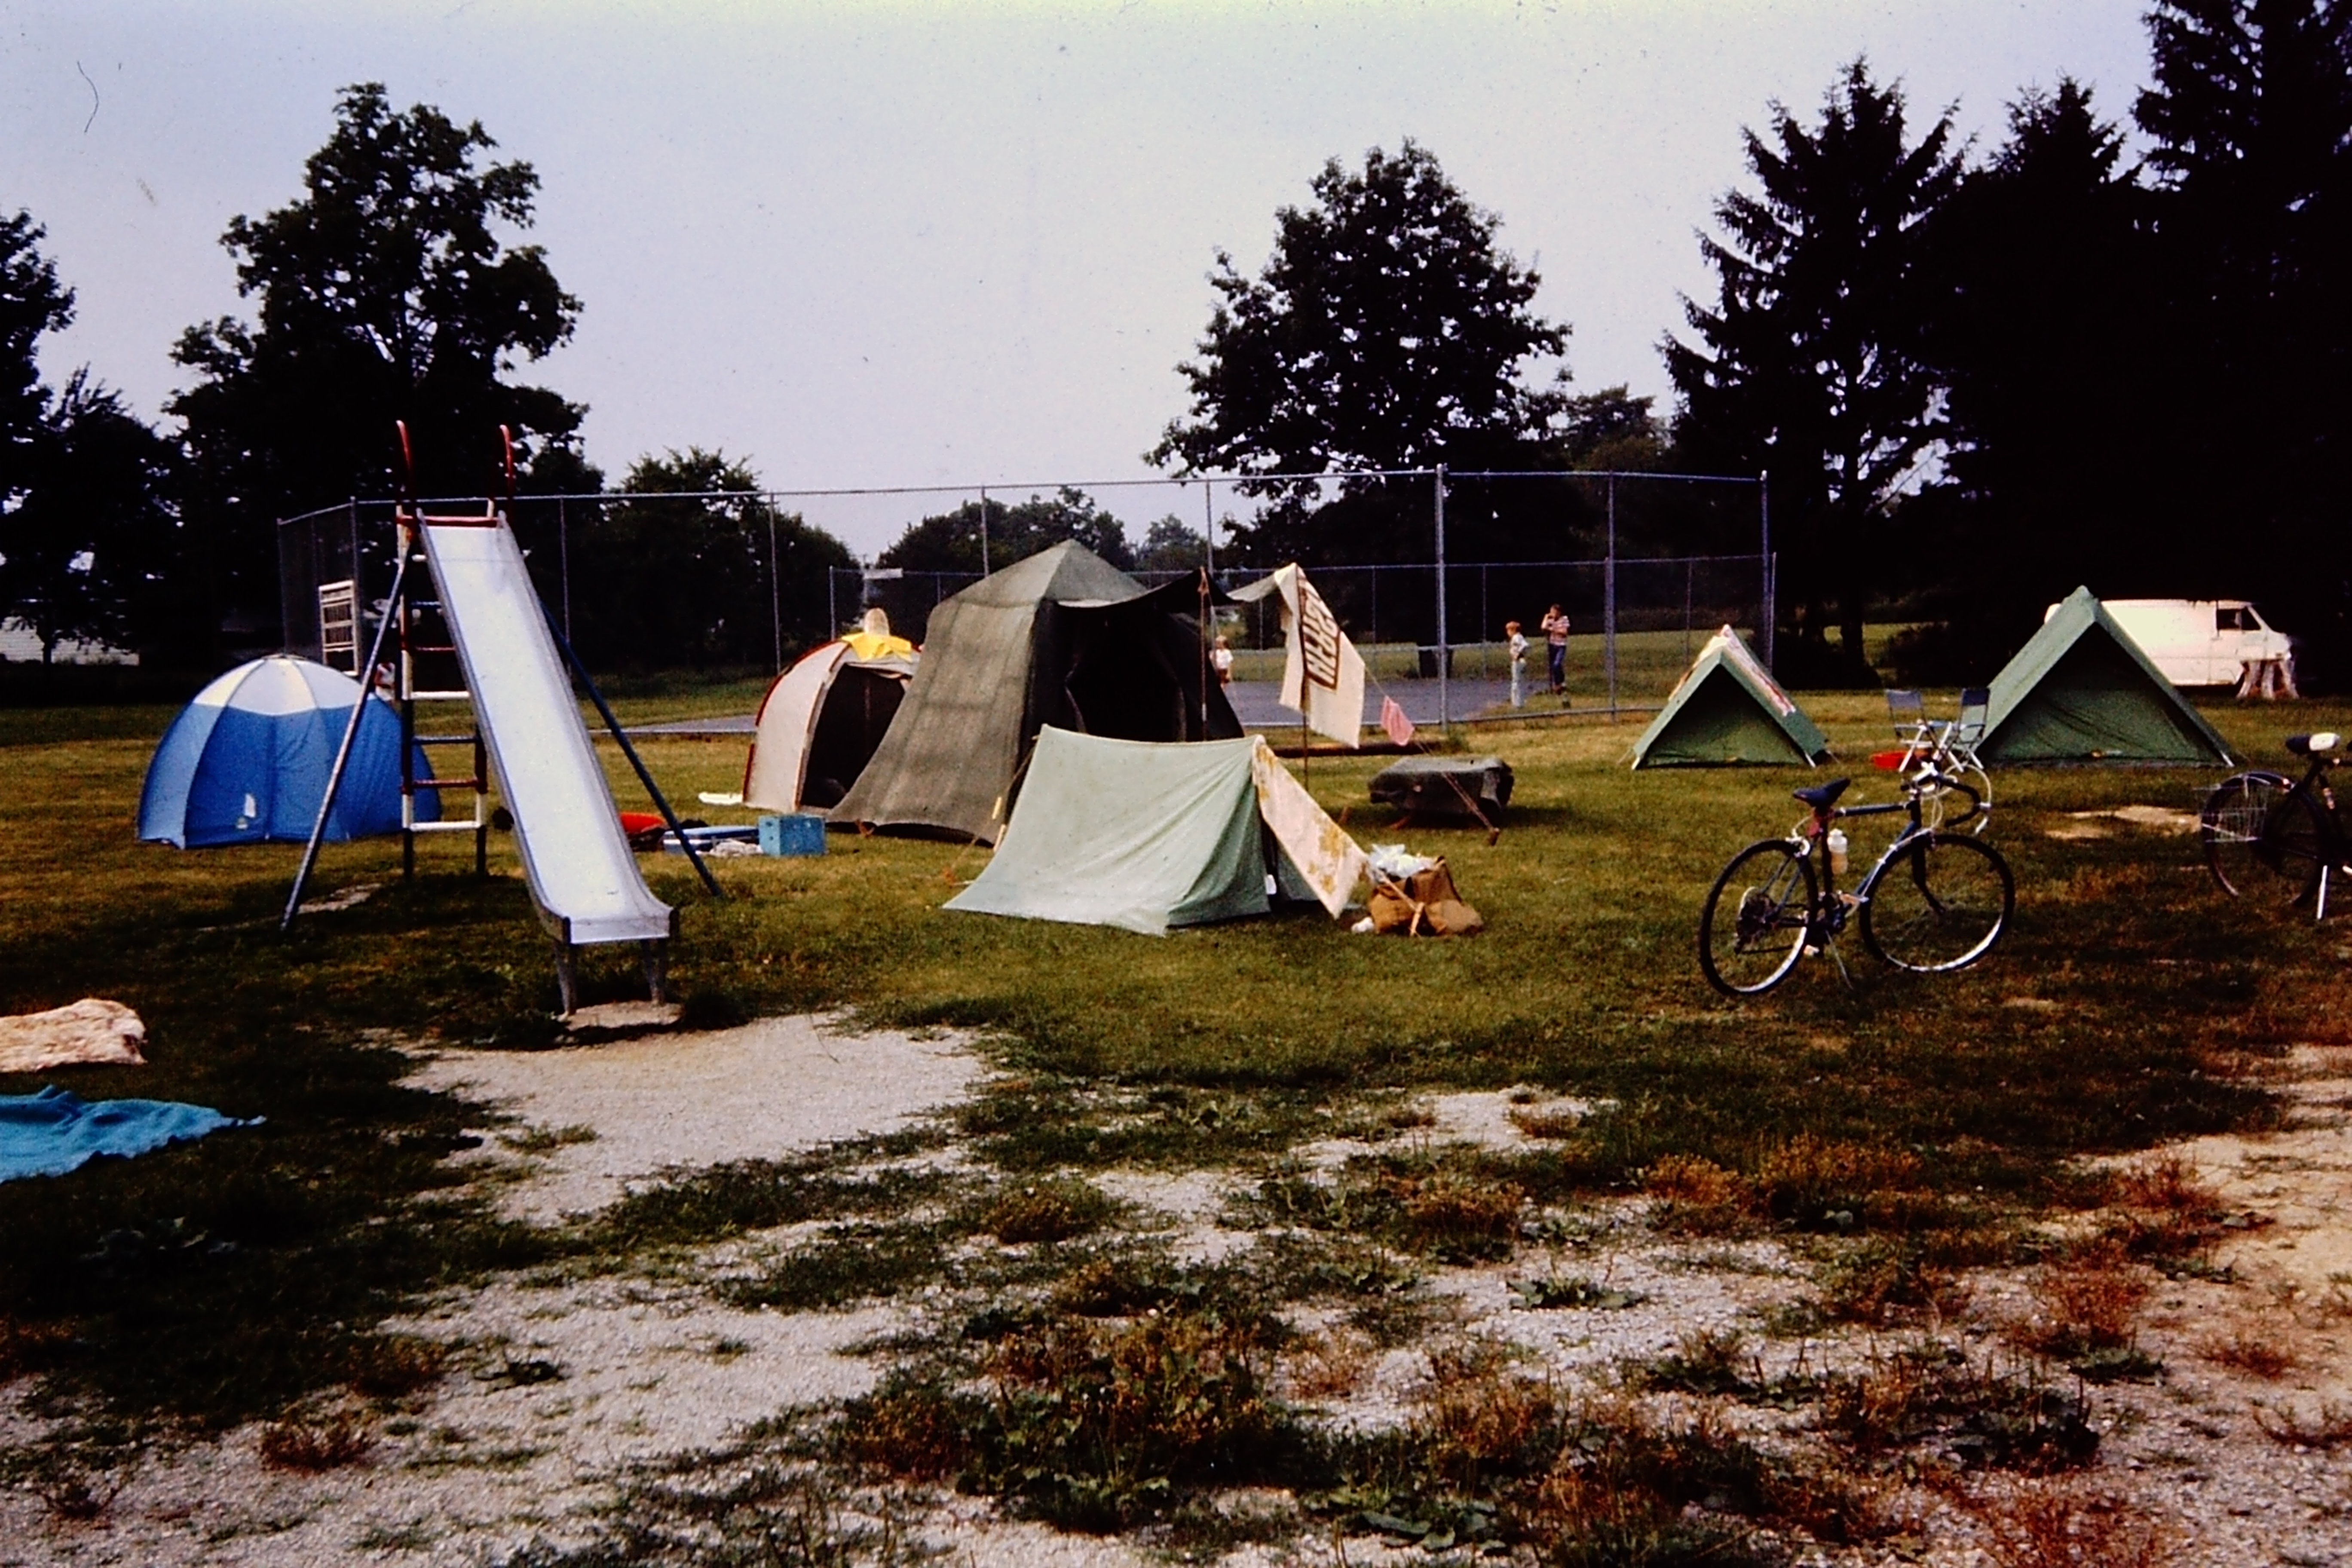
(224, 1280)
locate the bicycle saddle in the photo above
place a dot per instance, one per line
(1820, 798)
(2313, 745)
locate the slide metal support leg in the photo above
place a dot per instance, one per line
(658, 972)
(567, 976)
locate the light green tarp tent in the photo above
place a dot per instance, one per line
(1061, 638)
(2080, 691)
(1145, 836)
(1728, 709)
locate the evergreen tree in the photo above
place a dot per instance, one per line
(2251, 117)
(2056, 407)
(1811, 362)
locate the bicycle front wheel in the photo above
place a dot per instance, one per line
(1752, 930)
(2257, 844)
(1937, 901)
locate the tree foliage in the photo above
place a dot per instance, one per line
(672, 580)
(2249, 114)
(33, 304)
(385, 292)
(1811, 361)
(88, 533)
(949, 542)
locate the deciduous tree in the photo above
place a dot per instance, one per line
(682, 577)
(385, 291)
(1387, 330)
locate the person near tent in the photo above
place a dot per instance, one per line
(1220, 660)
(1517, 642)
(1555, 630)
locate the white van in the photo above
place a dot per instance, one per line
(2198, 642)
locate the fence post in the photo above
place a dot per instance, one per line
(832, 610)
(1771, 589)
(983, 531)
(1444, 707)
(563, 561)
(1209, 525)
(1608, 601)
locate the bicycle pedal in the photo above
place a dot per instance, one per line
(1812, 951)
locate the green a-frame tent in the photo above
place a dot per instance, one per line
(2080, 691)
(1726, 711)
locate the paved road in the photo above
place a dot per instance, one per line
(1255, 704)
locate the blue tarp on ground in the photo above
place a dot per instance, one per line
(51, 1133)
(247, 760)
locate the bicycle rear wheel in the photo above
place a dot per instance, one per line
(1752, 930)
(2257, 843)
(1937, 901)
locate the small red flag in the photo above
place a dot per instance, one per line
(1394, 723)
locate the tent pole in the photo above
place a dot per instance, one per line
(343, 752)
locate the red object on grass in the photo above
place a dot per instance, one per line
(1892, 762)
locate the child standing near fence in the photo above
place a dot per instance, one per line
(1518, 646)
(1555, 631)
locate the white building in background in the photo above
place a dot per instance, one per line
(20, 644)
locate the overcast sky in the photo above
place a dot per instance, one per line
(912, 244)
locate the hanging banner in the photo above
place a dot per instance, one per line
(1322, 673)
(1331, 862)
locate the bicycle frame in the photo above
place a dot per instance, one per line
(2336, 850)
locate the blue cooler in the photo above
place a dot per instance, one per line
(802, 833)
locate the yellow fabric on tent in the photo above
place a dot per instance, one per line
(867, 645)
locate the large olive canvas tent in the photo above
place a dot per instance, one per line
(1727, 710)
(1147, 836)
(1064, 638)
(2080, 691)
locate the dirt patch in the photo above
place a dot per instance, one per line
(640, 1106)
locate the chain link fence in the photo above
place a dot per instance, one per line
(740, 582)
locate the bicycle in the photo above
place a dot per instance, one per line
(1934, 902)
(2264, 835)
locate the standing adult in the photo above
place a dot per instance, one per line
(1555, 631)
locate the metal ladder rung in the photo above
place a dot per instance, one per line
(440, 697)
(467, 825)
(474, 784)
(444, 739)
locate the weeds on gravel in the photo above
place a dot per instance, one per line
(846, 1263)
(2330, 1425)
(2068, 1524)
(1442, 1207)
(1054, 1208)
(1088, 1425)
(315, 1443)
(2086, 1313)
(730, 1510)
(690, 1208)
(1973, 1415)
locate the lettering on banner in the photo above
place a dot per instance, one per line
(1318, 638)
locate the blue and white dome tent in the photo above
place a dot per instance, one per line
(247, 760)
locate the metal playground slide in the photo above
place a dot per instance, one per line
(583, 876)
